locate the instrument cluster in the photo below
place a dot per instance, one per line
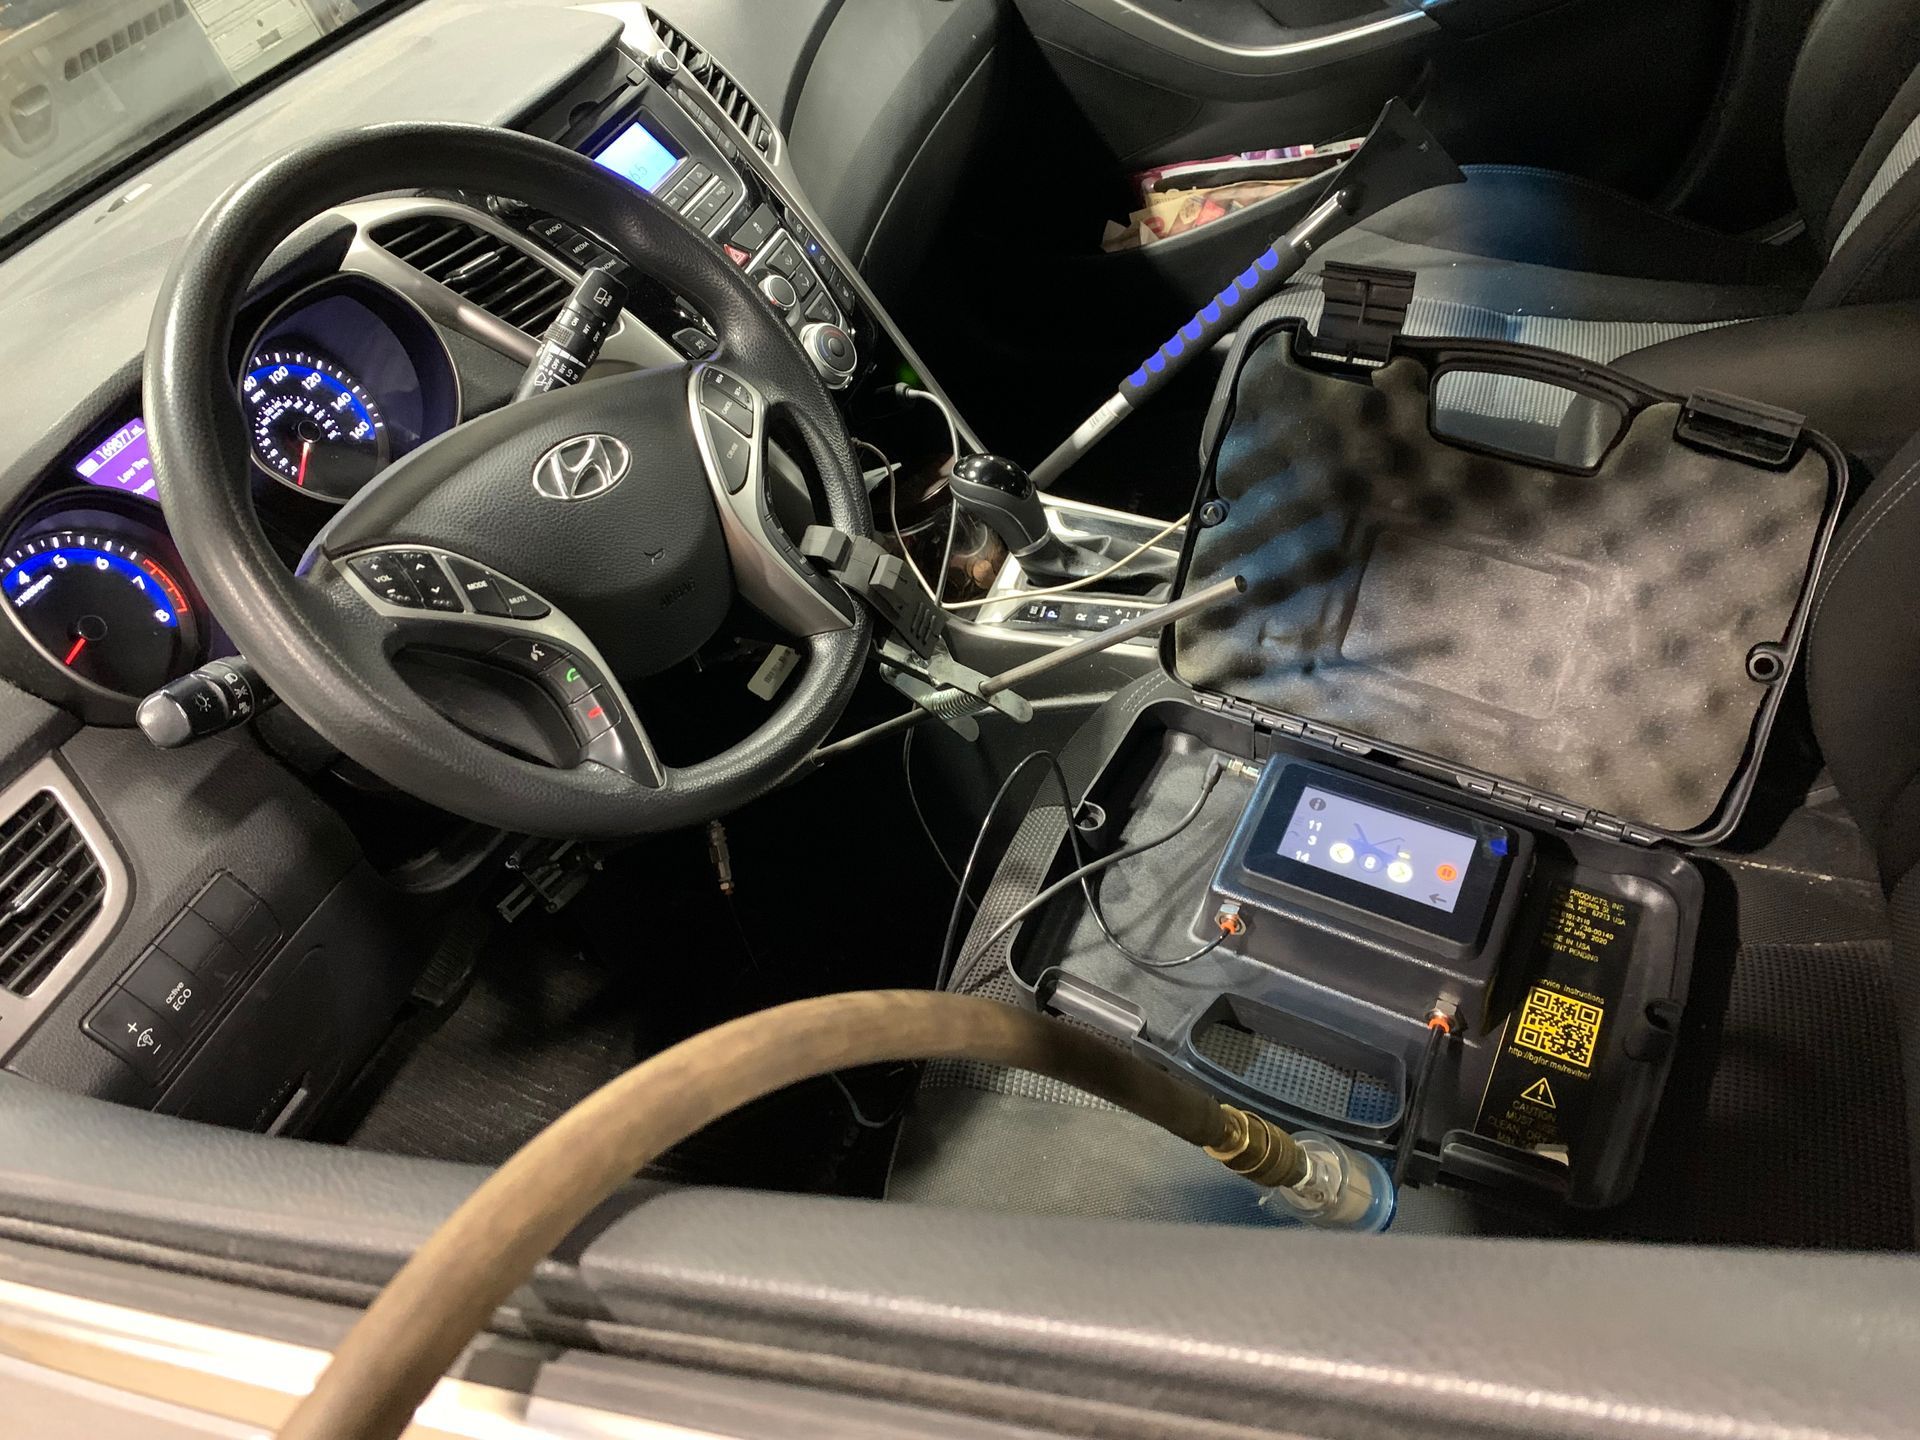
(335, 384)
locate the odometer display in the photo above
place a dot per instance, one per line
(314, 426)
(108, 612)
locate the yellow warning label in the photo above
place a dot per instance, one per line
(1540, 1093)
(1559, 1026)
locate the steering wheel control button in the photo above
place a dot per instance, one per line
(481, 586)
(521, 603)
(134, 1032)
(723, 407)
(593, 715)
(734, 453)
(183, 999)
(722, 386)
(531, 655)
(429, 580)
(569, 681)
(387, 580)
(779, 292)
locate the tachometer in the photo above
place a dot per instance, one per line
(314, 426)
(107, 611)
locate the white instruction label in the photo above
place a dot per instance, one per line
(773, 671)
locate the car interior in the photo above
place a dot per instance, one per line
(839, 717)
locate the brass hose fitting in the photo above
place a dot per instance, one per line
(1258, 1149)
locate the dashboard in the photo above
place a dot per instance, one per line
(405, 316)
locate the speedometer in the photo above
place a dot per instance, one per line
(314, 426)
(106, 610)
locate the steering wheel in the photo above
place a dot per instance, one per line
(558, 546)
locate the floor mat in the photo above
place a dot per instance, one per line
(651, 953)
(1784, 1121)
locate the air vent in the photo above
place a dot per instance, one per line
(731, 98)
(481, 268)
(51, 885)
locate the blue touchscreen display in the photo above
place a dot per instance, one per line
(1379, 848)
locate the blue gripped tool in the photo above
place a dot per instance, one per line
(1399, 159)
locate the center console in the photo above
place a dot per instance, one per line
(680, 129)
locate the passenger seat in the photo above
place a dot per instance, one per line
(1546, 259)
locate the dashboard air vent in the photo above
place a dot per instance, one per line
(480, 267)
(706, 71)
(51, 884)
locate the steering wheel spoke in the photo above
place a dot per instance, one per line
(561, 698)
(730, 428)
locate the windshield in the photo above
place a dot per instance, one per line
(86, 83)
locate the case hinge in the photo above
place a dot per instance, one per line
(1364, 313)
(1743, 429)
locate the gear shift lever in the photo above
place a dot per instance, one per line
(1000, 495)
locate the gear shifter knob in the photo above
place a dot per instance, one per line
(1000, 495)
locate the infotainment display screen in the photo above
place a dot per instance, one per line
(638, 155)
(120, 462)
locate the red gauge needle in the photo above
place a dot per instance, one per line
(306, 449)
(74, 654)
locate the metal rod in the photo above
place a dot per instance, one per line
(1283, 260)
(866, 737)
(1141, 624)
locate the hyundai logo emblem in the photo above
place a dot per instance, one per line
(581, 468)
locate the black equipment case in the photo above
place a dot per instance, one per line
(1490, 589)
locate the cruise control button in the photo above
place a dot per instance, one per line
(480, 585)
(386, 579)
(134, 1032)
(734, 453)
(593, 715)
(719, 383)
(184, 998)
(723, 407)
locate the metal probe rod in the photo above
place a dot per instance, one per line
(1279, 263)
(1141, 624)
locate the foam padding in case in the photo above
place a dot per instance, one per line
(1585, 636)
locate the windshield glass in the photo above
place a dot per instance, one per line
(85, 83)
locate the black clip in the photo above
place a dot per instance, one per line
(880, 578)
(1364, 313)
(1744, 429)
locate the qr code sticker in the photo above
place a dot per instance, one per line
(1559, 1027)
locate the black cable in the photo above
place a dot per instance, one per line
(1085, 871)
(1416, 1103)
(913, 798)
(960, 901)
